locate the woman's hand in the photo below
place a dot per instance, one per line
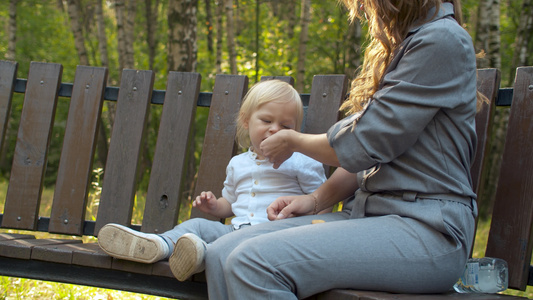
(291, 206)
(278, 147)
(281, 145)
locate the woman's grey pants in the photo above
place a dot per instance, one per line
(416, 246)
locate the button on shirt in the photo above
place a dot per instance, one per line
(252, 184)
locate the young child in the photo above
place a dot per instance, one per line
(251, 185)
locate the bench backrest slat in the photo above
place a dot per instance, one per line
(488, 83)
(164, 193)
(75, 165)
(511, 226)
(327, 94)
(31, 151)
(120, 175)
(219, 139)
(8, 75)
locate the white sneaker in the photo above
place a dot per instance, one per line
(188, 256)
(122, 242)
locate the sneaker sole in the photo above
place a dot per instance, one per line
(125, 243)
(184, 260)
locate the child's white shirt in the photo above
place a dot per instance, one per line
(252, 184)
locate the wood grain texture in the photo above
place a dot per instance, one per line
(31, 151)
(75, 166)
(120, 173)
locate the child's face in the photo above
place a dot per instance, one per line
(268, 119)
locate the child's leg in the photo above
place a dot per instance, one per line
(206, 230)
(122, 242)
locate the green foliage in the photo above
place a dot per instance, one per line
(21, 288)
(263, 48)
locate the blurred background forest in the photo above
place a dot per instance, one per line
(298, 38)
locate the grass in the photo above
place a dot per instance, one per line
(21, 288)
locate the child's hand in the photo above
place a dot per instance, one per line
(206, 202)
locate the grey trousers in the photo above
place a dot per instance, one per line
(401, 246)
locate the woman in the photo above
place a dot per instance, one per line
(404, 155)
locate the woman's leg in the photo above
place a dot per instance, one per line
(220, 249)
(388, 253)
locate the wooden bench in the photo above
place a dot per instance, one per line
(72, 261)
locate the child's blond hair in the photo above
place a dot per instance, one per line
(261, 93)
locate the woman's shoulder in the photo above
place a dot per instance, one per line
(443, 31)
(441, 38)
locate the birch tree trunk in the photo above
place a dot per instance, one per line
(481, 41)
(121, 35)
(125, 14)
(523, 37)
(493, 53)
(79, 40)
(151, 29)
(353, 51)
(60, 5)
(12, 31)
(302, 47)
(288, 13)
(292, 19)
(230, 33)
(129, 33)
(209, 26)
(220, 36)
(182, 31)
(237, 12)
(102, 37)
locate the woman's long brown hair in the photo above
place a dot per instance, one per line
(389, 22)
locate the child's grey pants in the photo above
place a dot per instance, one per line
(397, 245)
(205, 229)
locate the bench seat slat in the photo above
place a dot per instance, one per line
(57, 253)
(511, 225)
(105, 278)
(131, 266)
(8, 73)
(162, 268)
(219, 140)
(22, 248)
(75, 166)
(120, 173)
(170, 157)
(31, 151)
(91, 255)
